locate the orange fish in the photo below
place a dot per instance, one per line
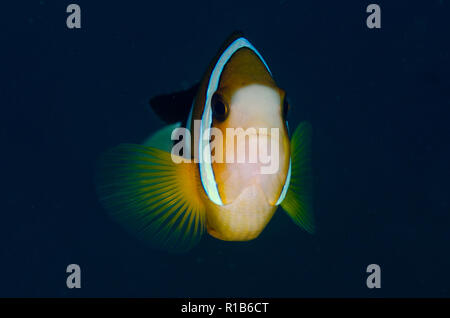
(182, 182)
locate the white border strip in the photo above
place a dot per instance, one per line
(206, 170)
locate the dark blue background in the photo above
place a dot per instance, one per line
(378, 101)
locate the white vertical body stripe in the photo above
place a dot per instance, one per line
(206, 170)
(286, 185)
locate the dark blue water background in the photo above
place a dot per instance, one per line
(378, 101)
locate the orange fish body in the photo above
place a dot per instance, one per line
(237, 163)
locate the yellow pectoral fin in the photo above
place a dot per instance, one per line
(298, 201)
(152, 197)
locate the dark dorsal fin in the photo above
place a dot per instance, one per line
(174, 107)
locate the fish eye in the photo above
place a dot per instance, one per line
(219, 107)
(285, 107)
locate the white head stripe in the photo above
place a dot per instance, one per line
(206, 170)
(286, 185)
(288, 177)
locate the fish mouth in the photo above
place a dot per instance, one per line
(260, 158)
(266, 179)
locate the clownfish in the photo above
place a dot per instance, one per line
(171, 199)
